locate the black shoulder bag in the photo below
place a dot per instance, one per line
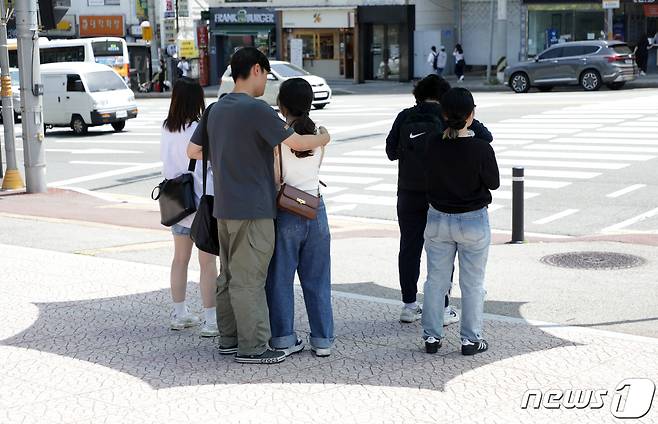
(204, 227)
(176, 197)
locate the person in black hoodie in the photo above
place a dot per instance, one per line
(463, 171)
(406, 143)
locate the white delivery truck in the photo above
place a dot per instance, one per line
(80, 95)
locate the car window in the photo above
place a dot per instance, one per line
(622, 49)
(551, 54)
(288, 70)
(590, 49)
(15, 80)
(105, 81)
(570, 51)
(74, 83)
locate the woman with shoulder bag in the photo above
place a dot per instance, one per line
(185, 111)
(302, 244)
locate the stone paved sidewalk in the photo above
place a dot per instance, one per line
(84, 340)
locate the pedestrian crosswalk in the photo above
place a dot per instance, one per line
(558, 149)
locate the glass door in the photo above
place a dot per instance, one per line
(377, 50)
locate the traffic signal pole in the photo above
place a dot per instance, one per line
(31, 95)
(12, 179)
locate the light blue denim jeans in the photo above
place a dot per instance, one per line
(302, 247)
(467, 235)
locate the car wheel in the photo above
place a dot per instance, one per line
(78, 125)
(616, 85)
(520, 82)
(119, 125)
(590, 80)
(320, 106)
(545, 88)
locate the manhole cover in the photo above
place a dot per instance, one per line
(593, 260)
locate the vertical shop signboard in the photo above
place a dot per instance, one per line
(202, 41)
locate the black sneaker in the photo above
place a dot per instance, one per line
(227, 350)
(298, 347)
(432, 345)
(267, 357)
(472, 348)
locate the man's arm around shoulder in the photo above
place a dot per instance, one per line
(301, 143)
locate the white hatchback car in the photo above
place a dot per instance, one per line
(282, 71)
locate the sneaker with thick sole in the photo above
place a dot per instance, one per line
(432, 345)
(185, 321)
(450, 316)
(321, 352)
(298, 347)
(267, 357)
(409, 315)
(209, 329)
(472, 348)
(227, 350)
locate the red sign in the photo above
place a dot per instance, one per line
(650, 10)
(202, 41)
(101, 26)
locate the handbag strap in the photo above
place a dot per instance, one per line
(281, 165)
(205, 144)
(192, 165)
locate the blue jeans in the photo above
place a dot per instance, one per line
(302, 246)
(446, 235)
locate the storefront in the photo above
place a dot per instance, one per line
(327, 40)
(234, 27)
(385, 45)
(550, 23)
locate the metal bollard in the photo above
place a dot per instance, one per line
(517, 205)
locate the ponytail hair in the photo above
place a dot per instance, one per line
(457, 105)
(296, 97)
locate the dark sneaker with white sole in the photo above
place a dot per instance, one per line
(227, 350)
(432, 345)
(267, 357)
(471, 348)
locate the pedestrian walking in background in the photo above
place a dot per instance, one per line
(162, 75)
(642, 53)
(460, 63)
(242, 134)
(184, 67)
(463, 172)
(407, 143)
(441, 61)
(302, 245)
(432, 58)
(187, 106)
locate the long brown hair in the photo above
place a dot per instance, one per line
(296, 96)
(187, 105)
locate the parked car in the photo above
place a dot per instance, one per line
(282, 71)
(589, 64)
(82, 95)
(15, 94)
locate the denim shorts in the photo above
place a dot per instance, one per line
(179, 230)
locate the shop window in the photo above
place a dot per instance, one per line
(317, 45)
(308, 45)
(326, 46)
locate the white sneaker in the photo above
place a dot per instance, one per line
(209, 329)
(185, 321)
(409, 315)
(642, 73)
(450, 316)
(321, 352)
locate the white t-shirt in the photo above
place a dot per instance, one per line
(184, 67)
(458, 56)
(441, 60)
(173, 153)
(302, 173)
(430, 57)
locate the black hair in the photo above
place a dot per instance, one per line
(244, 59)
(459, 48)
(296, 97)
(457, 104)
(432, 87)
(433, 48)
(187, 105)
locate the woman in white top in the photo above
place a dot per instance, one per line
(187, 106)
(458, 53)
(302, 245)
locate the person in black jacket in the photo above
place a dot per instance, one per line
(459, 183)
(406, 143)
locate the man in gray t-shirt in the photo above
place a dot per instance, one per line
(243, 133)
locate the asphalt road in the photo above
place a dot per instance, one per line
(590, 158)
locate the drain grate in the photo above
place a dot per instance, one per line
(593, 260)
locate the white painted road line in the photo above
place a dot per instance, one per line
(91, 151)
(570, 155)
(384, 187)
(362, 199)
(561, 164)
(91, 162)
(594, 148)
(346, 179)
(340, 208)
(360, 170)
(523, 135)
(548, 119)
(107, 174)
(507, 195)
(594, 140)
(626, 190)
(604, 133)
(385, 123)
(103, 141)
(357, 161)
(332, 189)
(555, 217)
(544, 173)
(631, 221)
(538, 183)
